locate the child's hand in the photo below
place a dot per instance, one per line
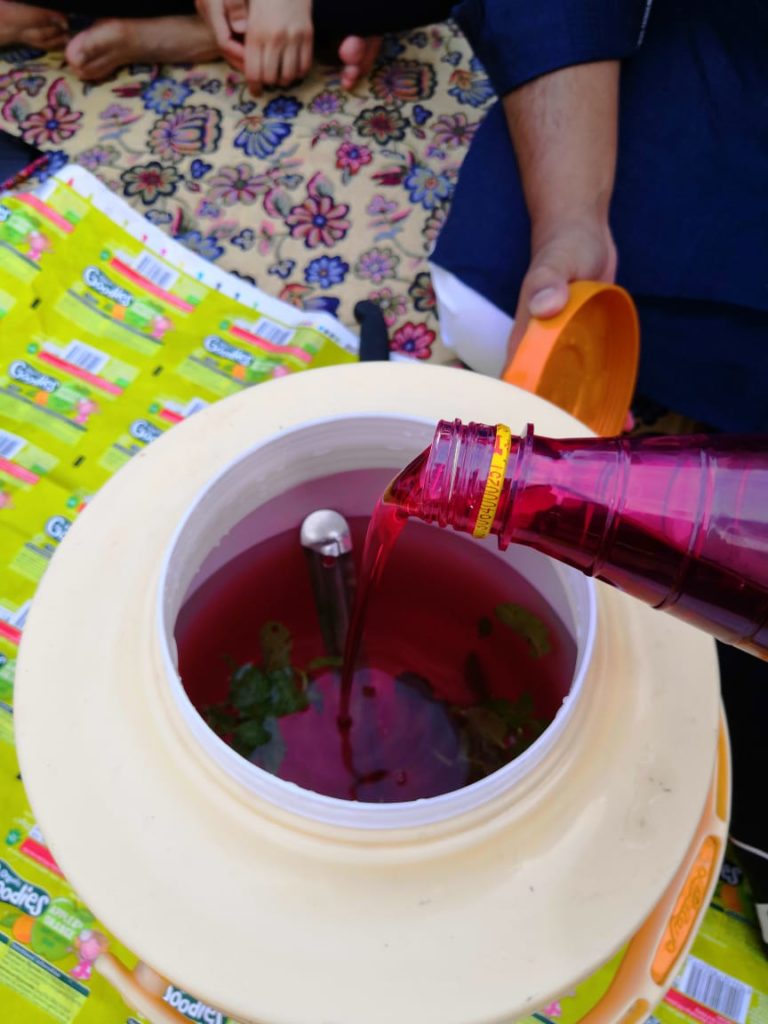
(278, 43)
(270, 40)
(228, 20)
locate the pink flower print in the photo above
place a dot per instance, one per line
(98, 156)
(52, 124)
(351, 157)
(186, 131)
(434, 225)
(392, 306)
(118, 113)
(377, 264)
(406, 80)
(237, 184)
(379, 206)
(383, 124)
(553, 1010)
(150, 181)
(327, 103)
(266, 233)
(453, 130)
(319, 221)
(413, 340)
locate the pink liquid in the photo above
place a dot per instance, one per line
(436, 664)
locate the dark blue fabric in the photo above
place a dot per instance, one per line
(518, 40)
(689, 215)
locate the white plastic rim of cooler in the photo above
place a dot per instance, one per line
(271, 486)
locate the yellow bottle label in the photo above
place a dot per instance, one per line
(494, 483)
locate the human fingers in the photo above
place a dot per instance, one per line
(289, 64)
(45, 37)
(571, 252)
(214, 14)
(236, 13)
(306, 55)
(234, 54)
(254, 66)
(271, 53)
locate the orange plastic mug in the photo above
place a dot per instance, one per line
(585, 359)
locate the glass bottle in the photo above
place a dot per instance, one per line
(679, 522)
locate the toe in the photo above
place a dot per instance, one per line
(350, 76)
(352, 50)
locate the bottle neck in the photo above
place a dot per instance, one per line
(466, 477)
(678, 522)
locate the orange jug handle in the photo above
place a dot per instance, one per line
(656, 953)
(142, 989)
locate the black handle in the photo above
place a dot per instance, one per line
(374, 339)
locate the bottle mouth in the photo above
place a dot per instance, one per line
(346, 463)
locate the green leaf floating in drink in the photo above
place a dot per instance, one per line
(492, 730)
(258, 696)
(526, 625)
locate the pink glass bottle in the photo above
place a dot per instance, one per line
(679, 522)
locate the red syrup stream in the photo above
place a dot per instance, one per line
(387, 523)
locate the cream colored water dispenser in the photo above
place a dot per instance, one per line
(280, 906)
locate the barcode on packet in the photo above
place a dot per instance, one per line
(155, 271)
(715, 989)
(10, 444)
(85, 357)
(273, 333)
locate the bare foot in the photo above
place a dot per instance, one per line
(32, 26)
(358, 56)
(111, 43)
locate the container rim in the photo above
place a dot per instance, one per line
(317, 807)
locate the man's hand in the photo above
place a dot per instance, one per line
(272, 42)
(564, 130)
(578, 250)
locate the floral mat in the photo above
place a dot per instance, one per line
(320, 196)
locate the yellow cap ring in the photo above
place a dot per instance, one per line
(494, 482)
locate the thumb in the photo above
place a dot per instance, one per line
(546, 287)
(543, 293)
(236, 12)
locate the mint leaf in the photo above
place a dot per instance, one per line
(325, 661)
(526, 625)
(249, 688)
(276, 643)
(287, 696)
(269, 755)
(248, 735)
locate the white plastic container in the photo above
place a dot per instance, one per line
(284, 907)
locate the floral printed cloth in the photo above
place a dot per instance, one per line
(319, 196)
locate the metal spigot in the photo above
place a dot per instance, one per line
(327, 540)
